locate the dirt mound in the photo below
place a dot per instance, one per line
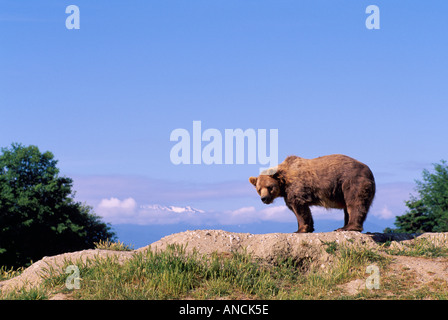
(272, 246)
(35, 274)
(310, 248)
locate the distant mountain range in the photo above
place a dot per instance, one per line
(158, 207)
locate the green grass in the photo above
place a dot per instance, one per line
(23, 294)
(6, 273)
(115, 246)
(174, 274)
(420, 248)
(332, 246)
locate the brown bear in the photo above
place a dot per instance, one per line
(333, 181)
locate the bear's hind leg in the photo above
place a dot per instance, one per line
(355, 216)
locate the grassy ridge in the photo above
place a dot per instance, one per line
(174, 274)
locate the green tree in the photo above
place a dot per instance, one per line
(429, 211)
(38, 214)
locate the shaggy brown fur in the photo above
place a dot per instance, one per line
(334, 181)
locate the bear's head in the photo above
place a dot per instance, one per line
(267, 187)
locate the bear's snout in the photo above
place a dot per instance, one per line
(266, 199)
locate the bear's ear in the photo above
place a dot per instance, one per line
(253, 180)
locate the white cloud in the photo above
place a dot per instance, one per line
(115, 210)
(239, 216)
(278, 214)
(384, 213)
(127, 211)
(127, 205)
(274, 213)
(390, 199)
(388, 203)
(320, 213)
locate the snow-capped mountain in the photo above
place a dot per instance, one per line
(158, 207)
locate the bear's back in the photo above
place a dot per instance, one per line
(331, 167)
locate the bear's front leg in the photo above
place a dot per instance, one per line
(304, 219)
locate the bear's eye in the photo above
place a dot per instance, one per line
(270, 188)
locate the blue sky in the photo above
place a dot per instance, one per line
(105, 98)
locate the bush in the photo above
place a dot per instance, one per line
(429, 211)
(38, 213)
